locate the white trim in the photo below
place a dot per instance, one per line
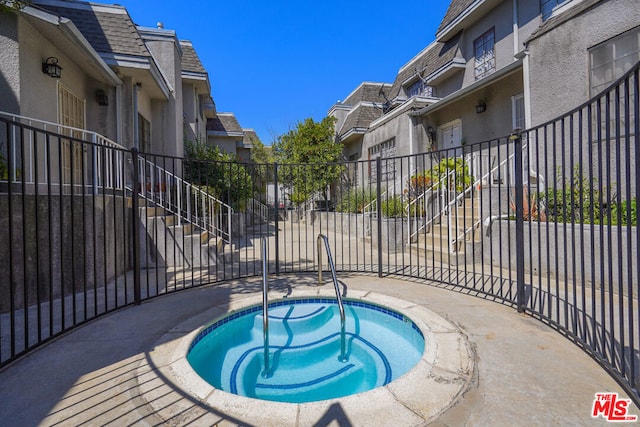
(458, 19)
(70, 4)
(455, 63)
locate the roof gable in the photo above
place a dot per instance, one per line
(456, 7)
(190, 60)
(360, 117)
(224, 123)
(430, 60)
(368, 91)
(108, 28)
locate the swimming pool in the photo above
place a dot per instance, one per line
(444, 372)
(304, 361)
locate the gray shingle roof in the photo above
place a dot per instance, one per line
(250, 135)
(431, 59)
(106, 32)
(367, 91)
(360, 117)
(190, 60)
(456, 7)
(224, 122)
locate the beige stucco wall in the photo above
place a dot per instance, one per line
(27, 91)
(167, 119)
(9, 64)
(226, 144)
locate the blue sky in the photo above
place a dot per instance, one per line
(274, 63)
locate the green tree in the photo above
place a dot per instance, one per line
(217, 173)
(262, 166)
(13, 5)
(313, 144)
(261, 153)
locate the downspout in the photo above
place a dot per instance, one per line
(516, 29)
(411, 161)
(136, 142)
(119, 136)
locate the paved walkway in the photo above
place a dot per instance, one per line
(110, 371)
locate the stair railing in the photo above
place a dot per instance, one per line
(446, 209)
(258, 209)
(108, 160)
(190, 203)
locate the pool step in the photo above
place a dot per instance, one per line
(324, 376)
(285, 322)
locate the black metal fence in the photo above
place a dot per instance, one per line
(544, 220)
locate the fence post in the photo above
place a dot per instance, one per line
(519, 200)
(277, 213)
(135, 227)
(379, 211)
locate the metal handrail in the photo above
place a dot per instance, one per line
(202, 209)
(433, 188)
(265, 308)
(259, 208)
(332, 267)
(107, 152)
(452, 203)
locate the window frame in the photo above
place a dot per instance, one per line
(385, 150)
(484, 65)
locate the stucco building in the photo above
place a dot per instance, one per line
(495, 66)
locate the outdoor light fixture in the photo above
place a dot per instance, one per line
(102, 98)
(481, 107)
(51, 68)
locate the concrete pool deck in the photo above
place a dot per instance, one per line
(113, 371)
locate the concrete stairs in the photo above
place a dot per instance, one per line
(169, 244)
(445, 239)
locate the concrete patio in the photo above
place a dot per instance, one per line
(111, 371)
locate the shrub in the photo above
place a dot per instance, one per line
(623, 209)
(393, 207)
(573, 200)
(355, 200)
(459, 180)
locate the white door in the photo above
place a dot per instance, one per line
(450, 135)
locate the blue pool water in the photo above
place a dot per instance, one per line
(304, 350)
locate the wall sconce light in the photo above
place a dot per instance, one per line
(51, 68)
(102, 98)
(481, 107)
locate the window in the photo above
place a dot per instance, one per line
(383, 150)
(611, 59)
(608, 62)
(547, 6)
(71, 112)
(485, 63)
(419, 88)
(517, 111)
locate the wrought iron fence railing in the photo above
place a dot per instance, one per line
(560, 244)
